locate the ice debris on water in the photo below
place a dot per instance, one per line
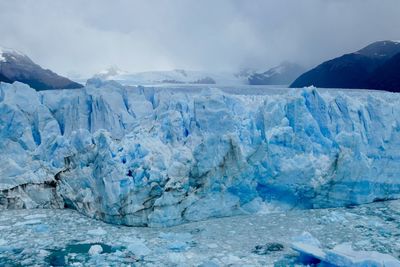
(216, 242)
(311, 251)
(97, 231)
(268, 248)
(177, 241)
(28, 222)
(137, 246)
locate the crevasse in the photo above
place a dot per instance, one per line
(159, 157)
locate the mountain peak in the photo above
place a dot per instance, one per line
(284, 73)
(109, 73)
(381, 49)
(16, 66)
(5, 50)
(375, 66)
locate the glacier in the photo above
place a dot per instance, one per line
(148, 156)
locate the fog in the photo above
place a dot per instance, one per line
(83, 37)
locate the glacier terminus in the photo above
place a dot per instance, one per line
(163, 156)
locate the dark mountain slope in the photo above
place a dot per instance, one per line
(15, 66)
(387, 76)
(282, 74)
(353, 70)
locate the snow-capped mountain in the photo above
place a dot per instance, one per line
(285, 73)
(15, 66)
(112, 73)
(154, 156)
(367, 68)
(177, 76)
(383, 50)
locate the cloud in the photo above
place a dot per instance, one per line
(87, 36)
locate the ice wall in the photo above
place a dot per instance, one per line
(157, 157)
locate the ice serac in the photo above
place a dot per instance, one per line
(159, 157)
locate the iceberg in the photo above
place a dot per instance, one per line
(148, 156)
(341, 255)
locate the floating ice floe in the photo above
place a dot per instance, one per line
(95, 249)
(28, 222)
(137, 246)
(98, 231)
(177, 241)
(35, 216)
(341, 255)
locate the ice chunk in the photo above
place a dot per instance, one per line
(177, 242)
(35, 216)
(95, 249)
(97, 231)
(341, 255)
(137, 246)
(344, 255)
(307, 238)
(28, 222)
(309, 251)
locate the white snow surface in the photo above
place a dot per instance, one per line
(4, 50)
(2, 58)
(150, 156)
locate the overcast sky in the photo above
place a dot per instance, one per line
(84, 37)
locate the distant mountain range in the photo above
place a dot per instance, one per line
(15, 66)
(285, 73)
(177, 76)
(376, 66)
(282, 74)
